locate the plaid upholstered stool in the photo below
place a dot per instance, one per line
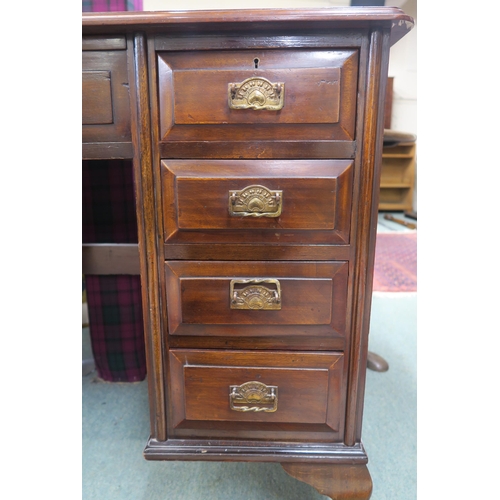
(114, 301)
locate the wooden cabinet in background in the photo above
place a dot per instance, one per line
(397, 179)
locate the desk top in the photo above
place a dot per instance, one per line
(255, 19)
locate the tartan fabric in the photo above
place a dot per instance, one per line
(114, 302)
(116, 328)
(108, 202)
(111, 5)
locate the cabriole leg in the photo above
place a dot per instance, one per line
(339, 482)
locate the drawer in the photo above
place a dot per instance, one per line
(282, 98)
(257, 299)
(243, 393)
(105, 90)
(257, 201)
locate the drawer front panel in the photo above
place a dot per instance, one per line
(257, 299)
(257, 201)
(105, 95)
(258, 95)
(238, 107)
(226, 390)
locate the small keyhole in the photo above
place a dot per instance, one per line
(256, 62)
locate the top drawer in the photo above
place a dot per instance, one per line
(105, 93)
(266, 103)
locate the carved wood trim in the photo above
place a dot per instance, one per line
(372, 141)
(148, 245)
(252, 451)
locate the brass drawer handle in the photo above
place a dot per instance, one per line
(255, 296)
(253, 393)
(255, 201)
(256, 93)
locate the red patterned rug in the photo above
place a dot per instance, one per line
(395, 262)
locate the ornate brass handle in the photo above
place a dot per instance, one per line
(255, 201)
(256, 93)
(255, 296)
(265, 397)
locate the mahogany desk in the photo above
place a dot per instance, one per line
(256, 139)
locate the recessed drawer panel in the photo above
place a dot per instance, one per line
(257, 299)
(97, 104)
(257, 95)
(243, 390)
(257, 201)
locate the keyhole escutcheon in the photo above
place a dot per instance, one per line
(256, 62)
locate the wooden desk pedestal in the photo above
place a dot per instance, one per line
(256, 139)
